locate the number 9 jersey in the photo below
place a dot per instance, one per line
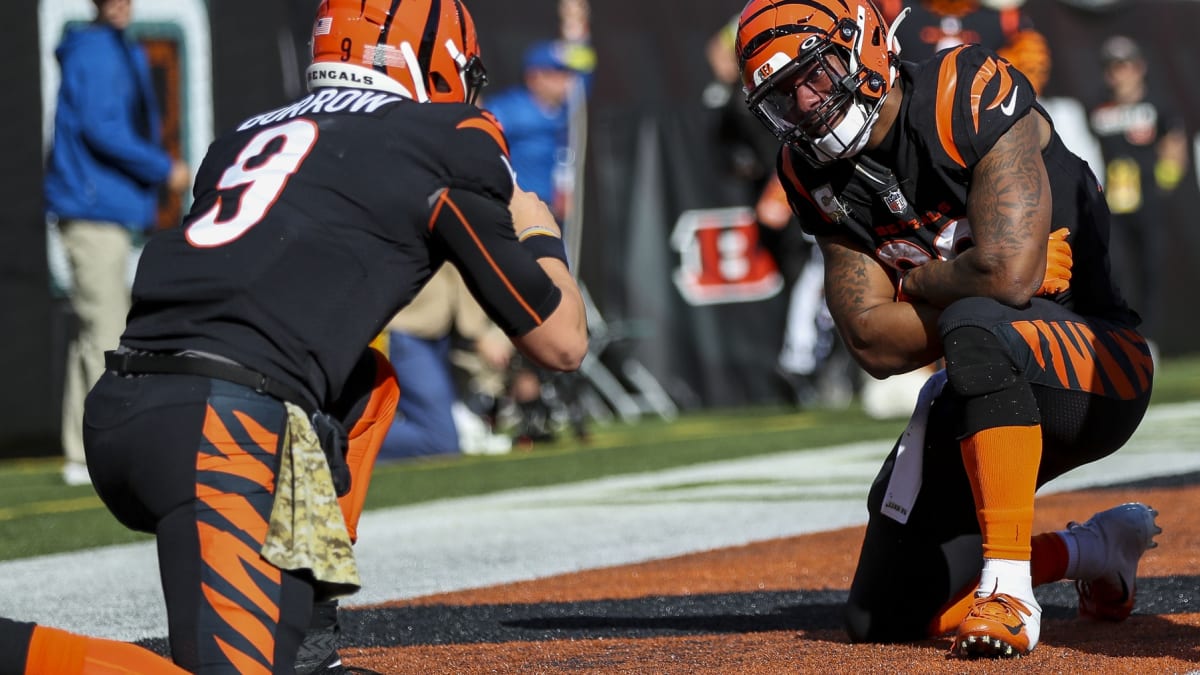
(315, 223)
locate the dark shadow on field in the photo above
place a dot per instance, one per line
(807, 611)
(1144, 633)
(1174, 481)
(634, 618)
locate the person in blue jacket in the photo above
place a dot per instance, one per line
(102, 179)
(536, 116)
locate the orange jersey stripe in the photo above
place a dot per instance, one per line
(483, 250)
(1075, 350)
(264, 438)
(1135, 349)
(244, 664)
(247, 626)
(1057, 360)
(230, 558)
(1006, 87)
(437, 210)
(488, 127)
(789, 172)
(947, 87)
(236, 509)
(233, 460)
(1080, 359)
(1032, 338)
(1107, 364)
(977, 86)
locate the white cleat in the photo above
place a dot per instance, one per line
(1112, 543)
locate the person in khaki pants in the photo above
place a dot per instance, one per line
(103, 174)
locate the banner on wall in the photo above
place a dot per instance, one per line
(720, 259)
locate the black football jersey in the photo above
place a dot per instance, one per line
(315, 223)
(907, 203)
(1129, 134)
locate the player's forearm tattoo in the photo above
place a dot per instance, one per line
(1008, 206)
(846, 279)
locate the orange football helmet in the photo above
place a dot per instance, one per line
(779, 41)
(425, 50)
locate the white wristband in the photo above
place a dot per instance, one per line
(537, 231)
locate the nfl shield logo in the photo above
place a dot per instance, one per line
(895, 201)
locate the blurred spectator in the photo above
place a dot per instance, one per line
(536, 114)
(748, 150)
(102, 179)
(1144, 149)
(432, 418)
(539, 116)
(934, 25)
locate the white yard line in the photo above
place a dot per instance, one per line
(510, 536)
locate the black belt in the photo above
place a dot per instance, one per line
(135, 363)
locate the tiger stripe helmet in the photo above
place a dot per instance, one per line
(426, 50)
(779, 39)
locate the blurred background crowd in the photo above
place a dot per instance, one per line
(628, 118)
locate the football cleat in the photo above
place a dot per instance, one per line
(1116, 538)
(998, 626)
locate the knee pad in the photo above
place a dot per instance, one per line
(980, 369)
(977, 363)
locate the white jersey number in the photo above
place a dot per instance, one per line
(264, 177)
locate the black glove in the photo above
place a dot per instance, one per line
(334, 440)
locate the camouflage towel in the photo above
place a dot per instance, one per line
(307, 531)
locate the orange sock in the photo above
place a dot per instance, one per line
(57, 652)
(1002, 465)
(1050, 558)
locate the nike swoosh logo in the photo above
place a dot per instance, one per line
(1015, 630)
(1010, 104)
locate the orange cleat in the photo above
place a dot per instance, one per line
(998, 626)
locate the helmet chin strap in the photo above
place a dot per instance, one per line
(847, 138)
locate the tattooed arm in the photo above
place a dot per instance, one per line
(1009, 207)
(884, 336)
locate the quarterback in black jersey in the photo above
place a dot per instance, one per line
(957, 228)
(240, 417)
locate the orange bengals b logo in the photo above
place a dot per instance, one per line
(765, 70)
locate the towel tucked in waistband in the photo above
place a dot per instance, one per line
(307, 530)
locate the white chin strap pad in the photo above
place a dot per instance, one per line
(853, 129)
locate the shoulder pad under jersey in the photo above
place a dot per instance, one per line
(478, 157)
(963, 100)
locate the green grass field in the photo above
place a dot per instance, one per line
(39, 515)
